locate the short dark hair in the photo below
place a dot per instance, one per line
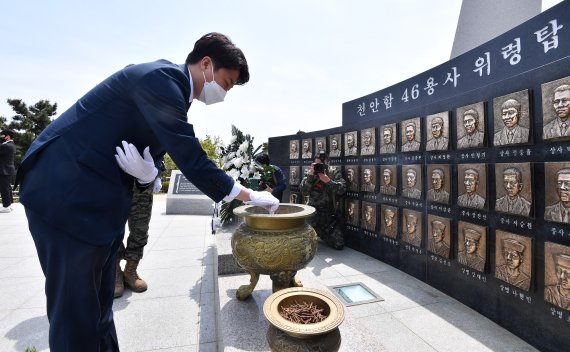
(223, 52)
(263, 159)
(7, 133)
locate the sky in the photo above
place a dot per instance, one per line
(306, 57)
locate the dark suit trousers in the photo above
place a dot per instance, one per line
(80, 282)
(6, 190)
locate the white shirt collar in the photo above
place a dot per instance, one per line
(191, 85)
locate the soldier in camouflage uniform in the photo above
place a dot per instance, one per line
(139, 219)
(322, 191)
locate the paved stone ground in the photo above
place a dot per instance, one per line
(176, 313)
(183, 311)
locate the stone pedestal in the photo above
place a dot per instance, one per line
(184, 198)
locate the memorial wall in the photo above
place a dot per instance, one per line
(460, 177)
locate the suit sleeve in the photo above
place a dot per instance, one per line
(161, 97)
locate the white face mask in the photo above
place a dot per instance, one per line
(212, 92)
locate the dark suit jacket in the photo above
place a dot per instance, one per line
(69, 175)
(7, 152)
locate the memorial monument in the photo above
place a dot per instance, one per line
(185, 198)
(473, 164)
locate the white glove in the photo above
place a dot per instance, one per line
(264, 199)
(157, 185)
(131, 162)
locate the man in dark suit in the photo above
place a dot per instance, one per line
(77, 199)
(7, 169)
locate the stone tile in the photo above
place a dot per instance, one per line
(6, 263)
(3, 314)
(189, 348)
(183, 281)
(242, 322)
(209, 256)
(37, 300)
(177, 243)
(18, 251)
(17, 291)
(393, 335)
(208, 347)
(354, 338)
(321, 269)
(443, 324)
(172, 258)
(350, 262)
(365, 310)
(12, 238)
(208, 311)
(27, 267)
(208, 280)
(24, 328)
(152, 324)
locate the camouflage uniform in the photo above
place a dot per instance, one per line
(323, 196)
(139, 219)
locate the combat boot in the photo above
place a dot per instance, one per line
(119, 285)
(132, 279)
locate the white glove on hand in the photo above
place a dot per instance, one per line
(131, 162)
(157, 185)
(264, 199)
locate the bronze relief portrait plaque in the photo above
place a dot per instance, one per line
(368, 220)
(439, 236)
(439, 187)
(438, 131)
(294, 149)
(412, 181)
(321, 145)
(334, 146)
(472, 185)
(556, 274)
(513, 259)
(514, 188)
(412, 227)
(411, 135)
(307, 149)
(389, 221)
(388, 139)
(512, 119)
(306, 170)
(295, 198)
(388, 180)
(368, 141)
(350, 144)
(352, 212)
(294, 175)
(556, 109)
(351, 177)
(471, 126)
(368, 182)
(472, 245)
(557, 192)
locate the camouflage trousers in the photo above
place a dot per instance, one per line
(139, 219)
(328, 229)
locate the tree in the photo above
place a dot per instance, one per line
(212, 147)
(28, 123)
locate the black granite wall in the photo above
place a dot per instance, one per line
(535, 53)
